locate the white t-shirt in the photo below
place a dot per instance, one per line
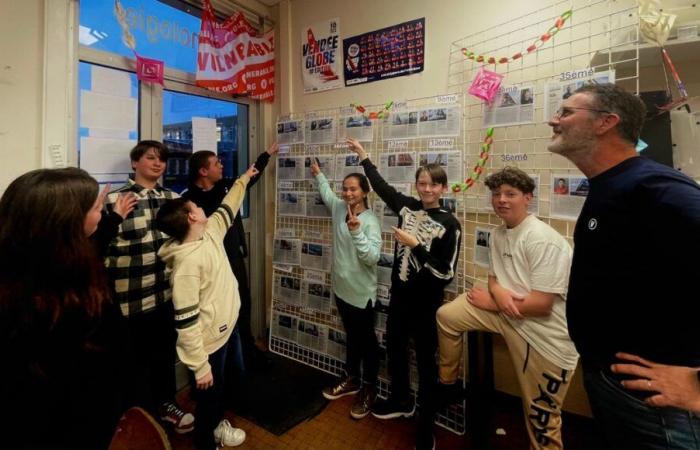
(533, 256)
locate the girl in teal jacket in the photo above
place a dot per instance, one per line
(356, 248)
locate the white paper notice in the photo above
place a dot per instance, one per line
(398, 167)
(320, 131)
(291, 204)
(482, 247)
(203, 134)
(567, 196)
(291, 132)
(513, 105)
(346, 164)
(108, 111)
(108, 134)
(555, 92)
(284, 326)
(451, 162)
(337, 341)
(287, 290)
(99, 155)
(110, 81)
(356, 127)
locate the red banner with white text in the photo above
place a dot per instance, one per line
(233, 59)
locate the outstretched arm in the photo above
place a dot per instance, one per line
(327, 195)
(223, 217)
(262, 161)
(393, 199)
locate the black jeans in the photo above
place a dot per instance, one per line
(362, 346)
(413, 316)
(153, 354)
(210, 402)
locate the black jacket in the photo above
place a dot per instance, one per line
(430, 266)
(209, 201)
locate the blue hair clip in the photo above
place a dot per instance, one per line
(641, 145)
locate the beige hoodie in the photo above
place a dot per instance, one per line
(205, 291)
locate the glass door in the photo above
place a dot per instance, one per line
(192, 123)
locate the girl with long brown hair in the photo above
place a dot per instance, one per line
(60, 337)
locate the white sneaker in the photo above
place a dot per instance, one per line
(227, 435)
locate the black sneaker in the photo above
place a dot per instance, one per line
(392, 409)
(425, 441)
(364, 402)
(348, 386)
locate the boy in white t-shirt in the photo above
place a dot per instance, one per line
(528, 278)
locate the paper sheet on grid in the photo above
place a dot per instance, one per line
(290, 132)
(320, 131)
(556, 91)
(567, 202)
(425, 122)
(356, 127)
(316, 256)
(286, 251)
(290, 168)
(513, 105)
(287, 289)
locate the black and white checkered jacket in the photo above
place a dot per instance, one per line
(140, 279)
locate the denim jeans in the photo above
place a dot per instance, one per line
(628, 423)
(235, 358)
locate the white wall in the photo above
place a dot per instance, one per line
(21, 87)
(445, 21)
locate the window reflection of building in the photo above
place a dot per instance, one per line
(178, 138)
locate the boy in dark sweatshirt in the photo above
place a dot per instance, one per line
(425, 259)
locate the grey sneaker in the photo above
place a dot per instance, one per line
(348, 386)
(364, 402)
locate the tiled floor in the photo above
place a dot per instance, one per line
(334, 429)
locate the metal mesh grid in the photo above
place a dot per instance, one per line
(594, 38)
(601, 35)
(452, 418)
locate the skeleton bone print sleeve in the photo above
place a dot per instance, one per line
(438, 254)
(434, 261)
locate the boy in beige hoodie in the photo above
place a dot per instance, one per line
(206, 300)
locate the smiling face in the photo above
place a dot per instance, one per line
(352, 193)
(429, 191)
(149, 167)
(573, 131)
(510, 204)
